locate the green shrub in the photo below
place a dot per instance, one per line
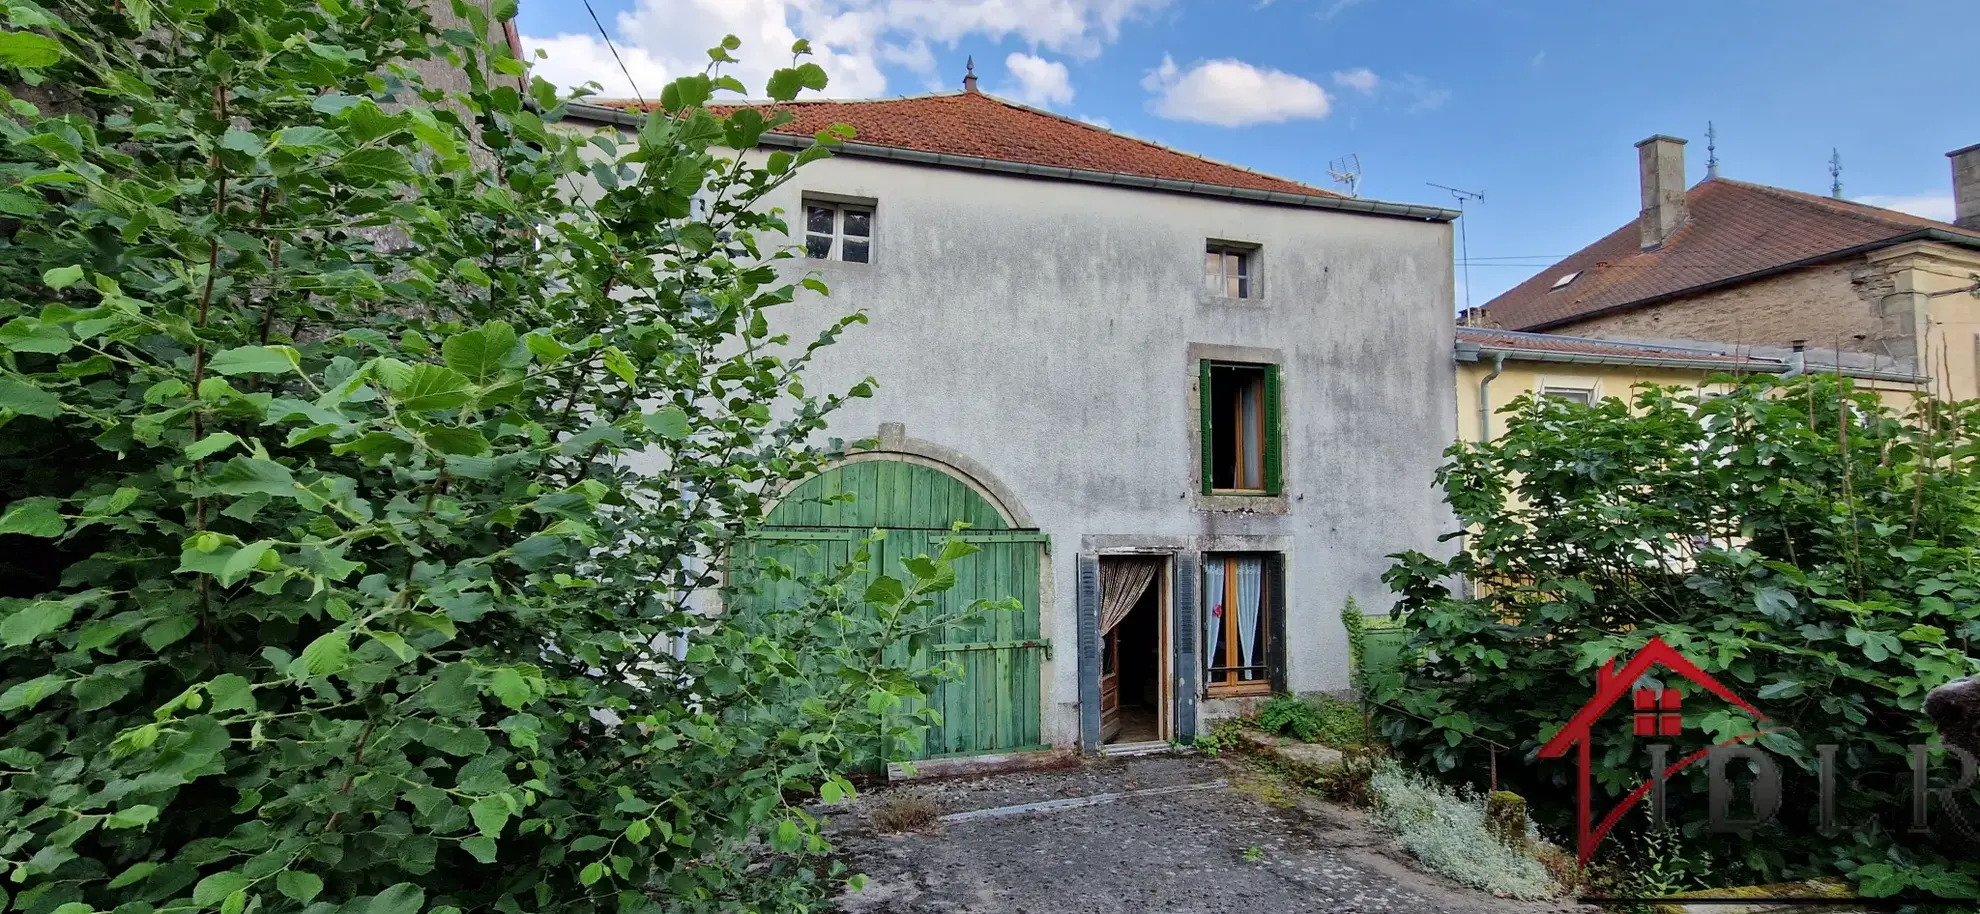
(333, 582)
(1321, 719)
(1823, 561)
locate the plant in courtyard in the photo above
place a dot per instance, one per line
(1318, 719)
(360, 476)
(1451, 832)
(1799, 540)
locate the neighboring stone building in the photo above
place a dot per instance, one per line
(1745, 263)
(1143, 376)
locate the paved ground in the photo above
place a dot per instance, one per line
(1179, 852)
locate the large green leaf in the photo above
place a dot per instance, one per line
(38, 516)
(432, 387)
(483, 353)
(34, 620)
(28, 400)
(26, 49)
(255, 360)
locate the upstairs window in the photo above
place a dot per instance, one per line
(1581, 395)
(1230, 271)
(838, 231)
(1240, 416)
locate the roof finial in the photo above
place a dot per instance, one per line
(1711, 151)
(1835, 173)
(969, 78)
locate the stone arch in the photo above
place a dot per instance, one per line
(895, 445)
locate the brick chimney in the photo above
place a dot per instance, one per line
(1660, 166)
(1966, 186)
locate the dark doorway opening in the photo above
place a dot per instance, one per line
(1132, 666)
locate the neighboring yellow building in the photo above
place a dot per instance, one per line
(1494, 366)
(1745, 264)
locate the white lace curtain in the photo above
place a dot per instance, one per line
(1122, 583)
(1250, 574)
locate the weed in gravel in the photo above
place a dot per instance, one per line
(902, 811)
(1253, 854)
(1448, 831)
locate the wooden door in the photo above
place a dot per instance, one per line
(994, 706)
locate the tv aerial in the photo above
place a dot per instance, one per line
(1346, 172)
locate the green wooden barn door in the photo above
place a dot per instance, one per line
(994, 706)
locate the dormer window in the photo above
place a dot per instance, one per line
(1562, 282)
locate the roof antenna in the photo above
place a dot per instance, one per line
(1464, 243)
(1711, 151)
(1835, 173)
(1346, 172)
(969, 78)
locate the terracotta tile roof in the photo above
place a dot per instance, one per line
(984, 126)
(1488, 338)
(1734, 229)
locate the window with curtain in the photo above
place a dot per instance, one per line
(1240, 429)
(1237, 625)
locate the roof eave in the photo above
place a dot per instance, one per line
(1923, 234)
(1471, 352)
(600, 114)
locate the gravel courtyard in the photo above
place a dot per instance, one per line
(1248, 847)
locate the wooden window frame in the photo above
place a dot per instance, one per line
(1247, 276)
(1220, 673)
(1269, 426)
(839, 209)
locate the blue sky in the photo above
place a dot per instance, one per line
(1535, 103)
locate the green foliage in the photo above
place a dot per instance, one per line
(1798, 540)
(360, 482)
(1320, 719)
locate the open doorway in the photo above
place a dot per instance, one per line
(1134, 665)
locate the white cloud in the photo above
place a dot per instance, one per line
(1421, 94)
(664, 39)
(1232, 93)
(1539, 60)
(1360, 79)
(1099, 122)
(1039, 81)
(1931, 206)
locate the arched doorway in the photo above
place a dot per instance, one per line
(818, 525)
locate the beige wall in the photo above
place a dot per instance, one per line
(1605, 380)
(1829, 305)
(1521, 377)
(1937, 280)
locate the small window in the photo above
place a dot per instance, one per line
(1240, 414)
(1229, 272)
(1581, 395)
(1562, 282)
(1237, 623)
(838, 231)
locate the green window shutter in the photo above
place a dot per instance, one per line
(1273, 460)
(1203, 419)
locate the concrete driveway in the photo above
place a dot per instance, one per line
(1172, 841)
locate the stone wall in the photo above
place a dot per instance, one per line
(1830, 305)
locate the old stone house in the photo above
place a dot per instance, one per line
(1747, 264)
(1187, 408)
